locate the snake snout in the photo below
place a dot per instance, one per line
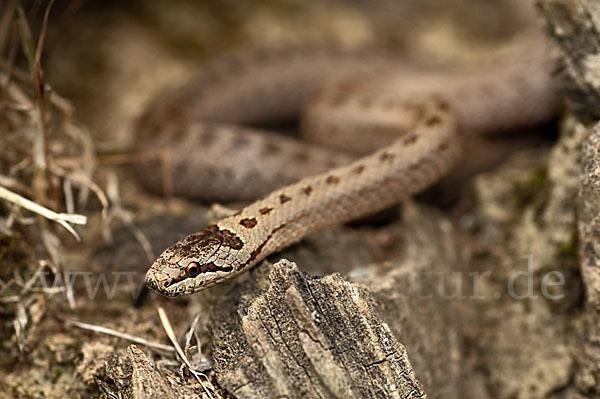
(151, 281)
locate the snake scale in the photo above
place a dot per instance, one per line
(410, 121)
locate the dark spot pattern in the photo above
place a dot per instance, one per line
(443, 105)
(191, 245)
(284, 198)
(301, 156)
(443, 147)
(234, 241)
(248, 222)
(386, 156)
(433, 121)
(265, 211)
(410, 139)
(307, 190)
(271, 148)
(332, 179)
(210, 235)
(358, 169)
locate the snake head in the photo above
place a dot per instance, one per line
(199, 261)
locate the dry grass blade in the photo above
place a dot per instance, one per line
(118, 212)
(61, 103)
(20, 325)
(6, 22)
(115, 333)
(64, 219)
(86, 182)
(171, 334)
(38, 82)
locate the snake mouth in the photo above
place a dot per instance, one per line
(155, 285)
(163, 287)
(152, 283)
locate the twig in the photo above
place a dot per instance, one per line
(61, 218)
(115, 333)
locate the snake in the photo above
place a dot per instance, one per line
(378, 130)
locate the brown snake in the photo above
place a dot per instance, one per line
(411, 114)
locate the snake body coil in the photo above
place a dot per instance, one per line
(412, 116)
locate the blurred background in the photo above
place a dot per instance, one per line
(105, 61)
(111, 57)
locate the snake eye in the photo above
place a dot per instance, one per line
(192, 269)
